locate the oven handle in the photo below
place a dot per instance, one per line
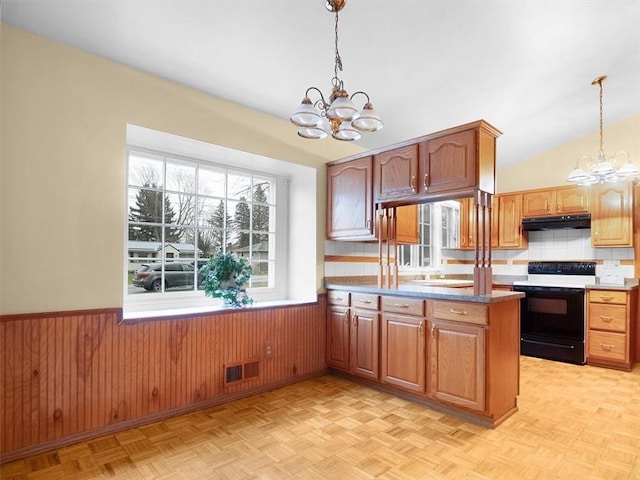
(547, 343)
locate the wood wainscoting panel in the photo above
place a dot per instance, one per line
(69, 376)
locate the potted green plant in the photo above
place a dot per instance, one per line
(224, 276)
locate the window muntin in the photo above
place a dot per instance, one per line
(180, 210)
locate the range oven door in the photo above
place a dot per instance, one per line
(552, 323)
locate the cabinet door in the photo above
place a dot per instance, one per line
(350, 200)
(407, 224)
(572, 200)
(403, 351)
(538, 203)
(338, 336)
(395, 173)
(457, 364)
(611, 215)
(365, 327)
(449, 163)
(467, 224)
(510, 218)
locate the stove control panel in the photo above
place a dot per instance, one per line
(562, 268)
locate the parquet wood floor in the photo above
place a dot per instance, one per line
(574, 423)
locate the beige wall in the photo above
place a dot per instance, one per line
(62, 165)
(551, 168)
(62, 170)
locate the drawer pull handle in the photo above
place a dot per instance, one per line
(458, 312)
(606, 298)
(606, 346)
(413, 184)
(605, 319)
(338, 299)
(425, 181)
(362, 300)
(421, 328)
(401, 305)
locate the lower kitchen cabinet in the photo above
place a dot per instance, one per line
(611, 319)
(353, 329)
(457, 364)
(338, 326)
(365, 336)
(403, 350)
(462, 356)
(403, 343)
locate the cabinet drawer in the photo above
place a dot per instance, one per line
(365, 300)
(460, 312)
(608, 317)
(607, 345)
(337, 297)
(408, 306)
(607, 296)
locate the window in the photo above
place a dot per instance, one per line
(181, 210)
(439, 227)
(198, 196)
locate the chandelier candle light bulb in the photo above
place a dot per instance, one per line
(339, 116)
(602, 169)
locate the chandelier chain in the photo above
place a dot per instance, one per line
(338, 59)
(601, 109)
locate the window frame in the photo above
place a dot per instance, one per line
(169, 300)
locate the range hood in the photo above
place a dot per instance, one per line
(582, 220)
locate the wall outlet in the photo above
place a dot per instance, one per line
(268, 349)
(509, 263)
(611, 263)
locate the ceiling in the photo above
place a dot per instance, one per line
(524, 66)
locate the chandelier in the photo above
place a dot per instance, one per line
(338, 116)
(602, 169)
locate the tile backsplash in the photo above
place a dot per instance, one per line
(563, 244)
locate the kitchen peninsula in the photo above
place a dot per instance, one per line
(454, 349)
(444, 347)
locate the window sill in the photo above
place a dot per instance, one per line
(130, 315)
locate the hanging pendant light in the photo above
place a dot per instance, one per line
(342, 119)
(602, 169)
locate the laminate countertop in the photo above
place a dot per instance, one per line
(629, 284)
(413, 289)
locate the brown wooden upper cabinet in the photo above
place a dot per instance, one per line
(555, 201)
(611, 215)
(448, 164)
(350, 210)
(396, 173)
(510, 233)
